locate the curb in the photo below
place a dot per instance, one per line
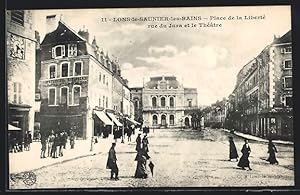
(261, 139)
(57, 163)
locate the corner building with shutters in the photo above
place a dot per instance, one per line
(76, 80)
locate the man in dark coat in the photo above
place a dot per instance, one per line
(72, 139)
(55, 145)
(138, 142)
(232, 150)
(44, 146)
(244, 161)
(272, 150)
(112, 162)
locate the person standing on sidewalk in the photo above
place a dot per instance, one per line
(244, 161)
(72, 139)
(129, 132)
(50, 143)
(61, 143)
(65, 139)
(232, 150)
(272, 150)
(112, 162)
(55, 146)
(44, 146)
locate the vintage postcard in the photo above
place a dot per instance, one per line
(150, 97)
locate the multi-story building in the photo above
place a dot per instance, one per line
(137, 99)
(263, 93)
(166, 102)
(20, 44)
(215, 114)
(81, 88)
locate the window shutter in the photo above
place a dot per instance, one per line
(53, 52)
(63, 50)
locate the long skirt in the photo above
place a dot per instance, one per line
(272, 158)
(244, 161)
(233, 152)
(140, 170)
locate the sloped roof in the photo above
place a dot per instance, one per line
(171, 80)
(286, 38)
(63, 33)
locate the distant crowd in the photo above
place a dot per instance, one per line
(54, 144)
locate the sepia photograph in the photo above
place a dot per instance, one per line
(150, 97)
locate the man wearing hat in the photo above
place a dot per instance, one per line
(112, 162)
(138, 142)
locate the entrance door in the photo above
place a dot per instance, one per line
(163, 120)
(187, 121)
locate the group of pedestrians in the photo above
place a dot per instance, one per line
(54, 143)
(246, 150)
(142, 157)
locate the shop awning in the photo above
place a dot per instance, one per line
(102, 116)
(112, 116)
(133, 121)
(13, 128)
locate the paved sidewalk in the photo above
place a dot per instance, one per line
(30, 160)
(251, 137)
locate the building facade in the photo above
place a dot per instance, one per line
(79, 84)
(166, 102)
(137, 99)
(21, 45)
(263, 95)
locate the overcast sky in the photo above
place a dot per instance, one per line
(205, 58)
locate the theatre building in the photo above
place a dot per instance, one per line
(20, 63)
(166, 103)
(76, 82)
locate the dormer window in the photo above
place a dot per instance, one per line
(58, 51)
(286, 50)
(72, 50)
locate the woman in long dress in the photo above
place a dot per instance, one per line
(272, 150)
(140, 171)
(232, 150)
(244, 161)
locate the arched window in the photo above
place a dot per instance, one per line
(76, 95)
(136, 104)
(154, 120)
(64, 91)
(171, 102)
(163, 101)
(154, 102)
(171, 119)
(163, 120)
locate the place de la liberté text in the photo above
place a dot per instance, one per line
(183, 21)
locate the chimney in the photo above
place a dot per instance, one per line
(84, 33)
(51, 23)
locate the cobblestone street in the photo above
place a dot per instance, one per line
(185, 158)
